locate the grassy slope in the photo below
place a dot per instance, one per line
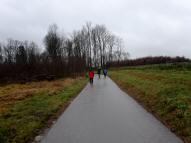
(22, 119)
(166, 93)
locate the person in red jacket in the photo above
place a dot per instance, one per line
(91, 76)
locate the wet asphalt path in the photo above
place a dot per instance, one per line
(102, 113)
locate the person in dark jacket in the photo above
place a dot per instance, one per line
(105, 72)
(99, 72)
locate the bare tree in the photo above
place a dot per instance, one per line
(1, 54)
(119, 48)
(21, 55)
(53, 42)
(63, 55)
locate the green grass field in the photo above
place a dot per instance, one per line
(27, 109)
(165, 92)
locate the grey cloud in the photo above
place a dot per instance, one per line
(148, 27)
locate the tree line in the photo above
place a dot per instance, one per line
(64, 55)
(147, 61)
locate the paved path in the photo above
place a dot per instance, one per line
(102, 113)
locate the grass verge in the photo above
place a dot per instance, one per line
(27, 108)
(166, 93)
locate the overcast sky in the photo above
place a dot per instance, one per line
(148, 27)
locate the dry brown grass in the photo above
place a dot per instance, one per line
(26, 109)
(146, 76)
(12, 93)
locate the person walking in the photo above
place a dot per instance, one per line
(105, 72)
(99, 72)
(91, 75)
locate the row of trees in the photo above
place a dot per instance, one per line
(18, 59)
(147, 61)
(63, 55)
